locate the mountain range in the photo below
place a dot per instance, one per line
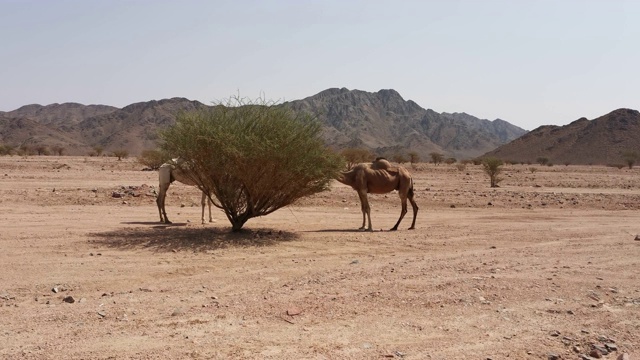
(605, 140)
(381, 121)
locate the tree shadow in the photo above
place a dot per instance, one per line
(165, 238)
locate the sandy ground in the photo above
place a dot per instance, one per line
(546, 265)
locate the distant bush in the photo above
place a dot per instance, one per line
(354, 156)
(630, 158)
(533, 169)
(436, 157)
(97, 151)
(461, 166)
(399, 158)
(476, 161)
(121, 154)
(152, 159)
(450, 161)
(542, 160)
(493, 168)
(414, 157)
(58, 150)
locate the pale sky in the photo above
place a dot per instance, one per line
(528, 62)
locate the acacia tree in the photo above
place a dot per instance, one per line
(436, 157)
(630, 157)
(493, 168)
(251, 158)
(355, 156)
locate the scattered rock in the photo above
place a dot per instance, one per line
(116, 194)
(55, 290)
(611, 346)
(595, 353)
(601, 349)
(69, 299)
(453, 206)
(102, 314)
(623, 356)
(637, 238)
(293, 311)
(555, 333)
(6, 296)
(354, 262)
(553, 357)
(178, 312)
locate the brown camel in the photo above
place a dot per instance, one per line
(380, 177)
(167, 174)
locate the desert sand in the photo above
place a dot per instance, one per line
(545, 265)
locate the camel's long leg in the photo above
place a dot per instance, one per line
(414, 206)
(366, 209)
(205, 200)
(403, 212)
(162, 195)
(415, 209)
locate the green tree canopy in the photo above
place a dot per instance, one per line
(252, 158)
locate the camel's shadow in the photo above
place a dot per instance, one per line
(174, 237)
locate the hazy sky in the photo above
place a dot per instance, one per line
(528, 62)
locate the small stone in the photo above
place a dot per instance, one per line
(637, 238)
(55, 290)
(116, 194)
(623, 356)
(553, 357)
(601, 349)
(611, 346)
(293, 311)
(595, 354)
(177, 312)
(355, 262)
(102, 314)
(555, 333)
(452, 206)
(69, 299)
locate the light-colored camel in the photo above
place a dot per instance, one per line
(380, 177)
(167, 174)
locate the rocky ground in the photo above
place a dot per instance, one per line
(543, 267)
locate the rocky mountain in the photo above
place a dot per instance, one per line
(388, 124)
(382, 121)
(603, 140)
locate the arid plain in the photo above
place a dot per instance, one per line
(545, 265)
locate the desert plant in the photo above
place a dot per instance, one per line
(58, 149)
(98, 150)
(252, 157)
(414, 157)
(355, 156)
(542, 160)
(152, 159)
(399, 158)
(461, 166)
(630, 158)
(450, 161)
(533, 169)
(42, 150)
(436, 157)
(493, 167)
(120, 154)
(6, 150)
